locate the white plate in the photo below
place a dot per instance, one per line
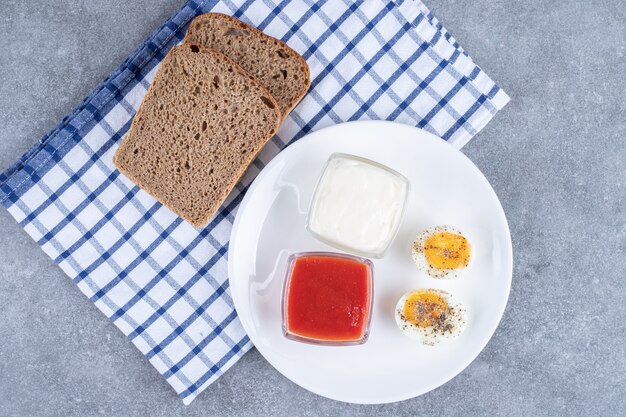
(446, 188)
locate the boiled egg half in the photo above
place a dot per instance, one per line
(430, 316)
(442, 252)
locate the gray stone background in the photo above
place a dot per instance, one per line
(555, 156)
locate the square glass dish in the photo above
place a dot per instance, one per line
(327, 298)
(357, 205)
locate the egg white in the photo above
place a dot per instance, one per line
(457, 319)
(419, 257)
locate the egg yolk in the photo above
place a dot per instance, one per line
(425, 308)
(447, 250)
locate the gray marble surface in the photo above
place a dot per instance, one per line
(555, 156)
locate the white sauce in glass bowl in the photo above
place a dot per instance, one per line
(358, 205)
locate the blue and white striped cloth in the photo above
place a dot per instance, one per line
(161, 281)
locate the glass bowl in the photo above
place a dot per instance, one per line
(357, 205)
(327, 298)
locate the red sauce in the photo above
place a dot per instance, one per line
(328, 298)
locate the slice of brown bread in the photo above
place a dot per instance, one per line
(279, 68)
(200, 125)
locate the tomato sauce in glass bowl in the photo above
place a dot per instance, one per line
(327, 298)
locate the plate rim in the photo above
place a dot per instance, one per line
(301, 142)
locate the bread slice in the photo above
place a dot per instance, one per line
(279, 68)
(202, 122)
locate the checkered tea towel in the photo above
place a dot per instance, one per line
(163, 282)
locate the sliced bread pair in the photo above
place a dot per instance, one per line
(200, 125)
(278, 67)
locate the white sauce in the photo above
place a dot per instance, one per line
(358, 205)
